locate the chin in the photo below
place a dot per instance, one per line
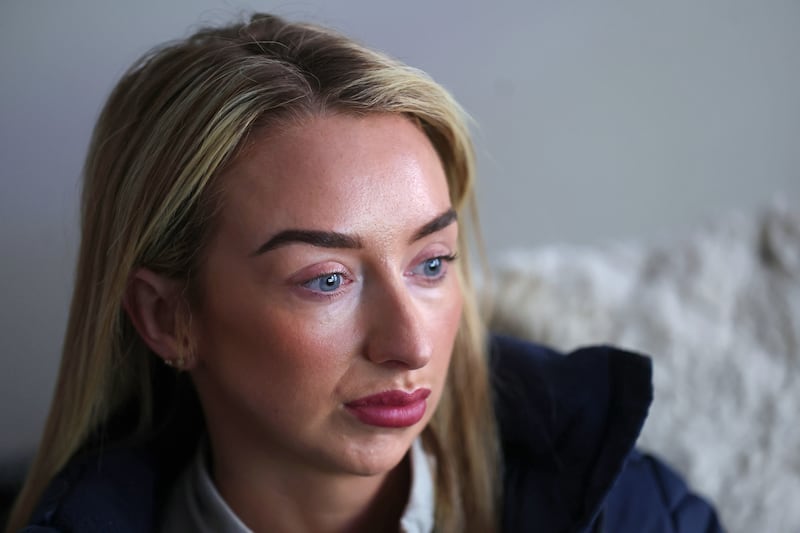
(377, 456)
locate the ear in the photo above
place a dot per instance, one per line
(154, 304)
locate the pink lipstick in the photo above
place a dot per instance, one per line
(391, 409)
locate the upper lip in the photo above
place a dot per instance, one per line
(391, 398)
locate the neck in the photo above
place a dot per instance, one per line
(269, 500)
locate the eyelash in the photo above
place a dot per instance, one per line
(344, 279)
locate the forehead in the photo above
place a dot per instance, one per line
(336, 172)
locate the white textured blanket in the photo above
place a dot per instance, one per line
(719, 312)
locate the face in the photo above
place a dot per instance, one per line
(330, 298)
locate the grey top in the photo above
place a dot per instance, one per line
(196, 505)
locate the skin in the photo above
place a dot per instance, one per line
(277, 358)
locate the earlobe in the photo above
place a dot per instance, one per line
(154, 303)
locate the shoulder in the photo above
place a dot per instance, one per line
(649, 494)
(114, 490)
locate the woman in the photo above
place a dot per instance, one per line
(272, 330)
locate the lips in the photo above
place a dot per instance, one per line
(391, 409)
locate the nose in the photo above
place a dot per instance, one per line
(397, 332)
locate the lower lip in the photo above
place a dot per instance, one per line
(390, 416)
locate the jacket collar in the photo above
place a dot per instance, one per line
(567, 425)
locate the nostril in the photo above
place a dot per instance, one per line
(409, 353)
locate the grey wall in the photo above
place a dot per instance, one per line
(595, 120)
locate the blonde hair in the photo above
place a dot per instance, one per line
(169, 128)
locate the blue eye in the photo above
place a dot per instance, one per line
(325, 283)
(435, 267)
(432, 267)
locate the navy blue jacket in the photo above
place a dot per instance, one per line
(568, 426)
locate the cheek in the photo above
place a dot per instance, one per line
(452, 306)
(264, 351)
(267, 376)
(445, 321)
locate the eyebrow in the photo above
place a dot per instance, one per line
(437, 224)
(333, 239)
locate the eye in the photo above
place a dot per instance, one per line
(432, 267)
(325, 283)
(435, 267)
